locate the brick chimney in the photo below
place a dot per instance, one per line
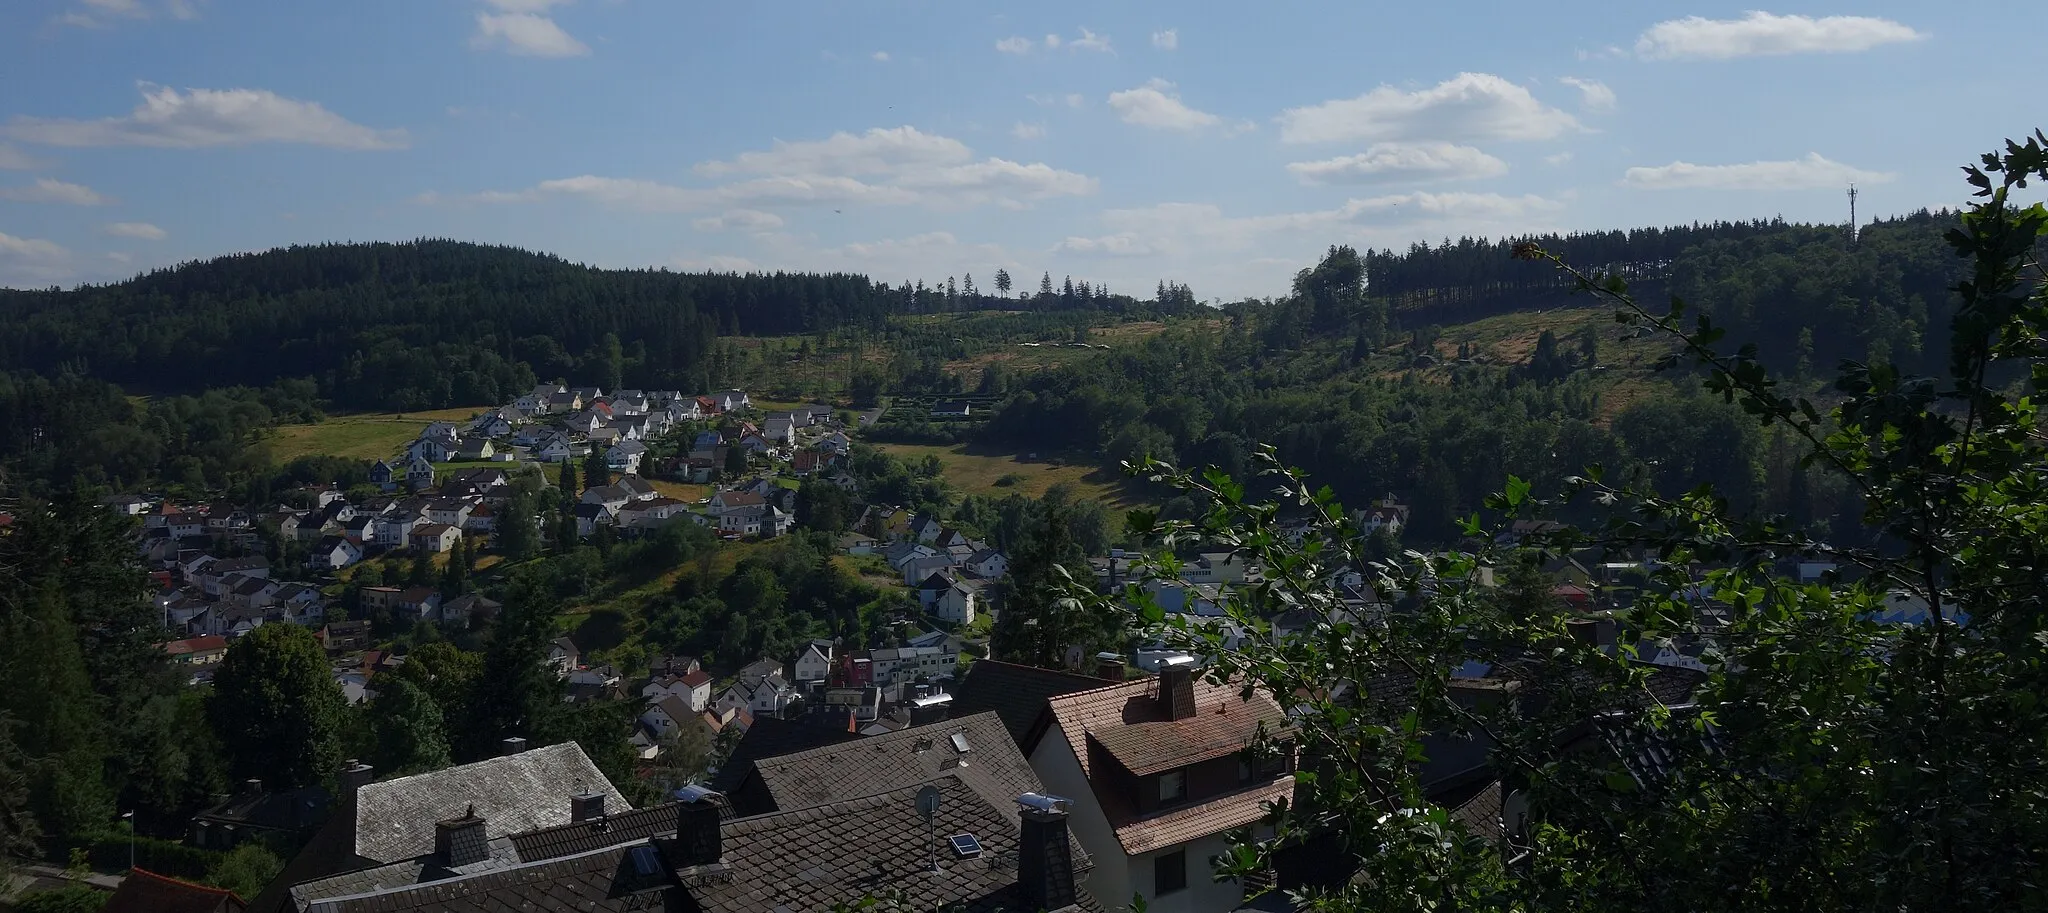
(461, 841)
(512, 745)
(1177, 687)
(1109, 666)
(1045, 860)
(586, 806)
(698, 832)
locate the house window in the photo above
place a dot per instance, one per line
(1169, 873)
(1173, 787)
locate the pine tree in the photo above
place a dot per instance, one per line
(1045, 285)
(524, 690)
(1003, 282)
(597, 473)
(967, 285)
(515, 535)
(565, 482)
(455, 577)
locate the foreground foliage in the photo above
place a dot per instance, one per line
(1828, 762)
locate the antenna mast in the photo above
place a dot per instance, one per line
(1852, 215)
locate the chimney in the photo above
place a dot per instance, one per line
(1593, 632)
(461, 841)
(512, 745)
(252, 787)
(354, 776)
(1045, 861)
(1177, 687)
(586, 806)
(1109, 666)
(697, 827)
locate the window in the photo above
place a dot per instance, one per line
(1169, 873)
(1173, 786)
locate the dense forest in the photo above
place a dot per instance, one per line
(433, 323)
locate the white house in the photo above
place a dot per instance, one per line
(555, 448)
(333, 553)
(651, 514)
(957, 603)
(667, 717)
(815, 663)
(625, 456)
(431, 450)
(694, 689)
(987, 564)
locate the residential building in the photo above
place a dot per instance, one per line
(198, 651)
(332, 553)
(463, 610)
(254, 813)
(693, 688)
(1158, 774)
(814, 664)
(143, 891)
(1018, 694)
(434, 537)
(958, 603)
(625, 456)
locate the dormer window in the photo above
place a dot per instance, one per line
(1173, 787)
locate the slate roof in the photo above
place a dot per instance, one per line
(1107, 715)
(835, 773)
(800, 862)
(287, 810)
(1016, 693)
(147, 892)
(771, 737)
(513, 793)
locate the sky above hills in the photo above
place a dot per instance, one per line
(1220, 145)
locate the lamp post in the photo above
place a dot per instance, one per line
(129, 816)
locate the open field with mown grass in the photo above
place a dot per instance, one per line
(975, 469)
(363, 436)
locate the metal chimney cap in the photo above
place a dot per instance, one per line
(1043, 803)
(1109, 656)
(694, 793)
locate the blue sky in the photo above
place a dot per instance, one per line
(1221, 145)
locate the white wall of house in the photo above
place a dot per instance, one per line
(1109, 882)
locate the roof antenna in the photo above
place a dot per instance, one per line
(1852, 215)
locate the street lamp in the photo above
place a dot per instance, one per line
(129, 816)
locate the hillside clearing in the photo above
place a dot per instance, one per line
(363, 436)
(974, 469)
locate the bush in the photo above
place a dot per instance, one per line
(246, 870)
(108, 852)
(63, 900)
(1009, 479)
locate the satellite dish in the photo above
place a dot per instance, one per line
(928, 802)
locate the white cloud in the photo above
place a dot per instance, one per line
(1022, 130)
(1468, 106)
(142, 231)
(525, 34)
(1811, 172)
(1155, 105)
(1071, 100)
(1558, 158)
(199, 118)
(12, 159)
(1166, 40)
(1089, 41)
(1763, 34)
(1052, 42)
(94, 14)
(1594, 95)
(1107, 246)
(32, 262)
(884, 166)
(1015, 44)
(1390, 162)
(524, 6)
(750, 220)
(881, 56)
(51, 190)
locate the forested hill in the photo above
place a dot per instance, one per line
(435, 323)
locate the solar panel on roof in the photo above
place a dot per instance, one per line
(965, 846)
(960, 742)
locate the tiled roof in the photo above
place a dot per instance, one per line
(147, 892)
(1016, 693)
(901, 759)
(1221, 729)
(1214, 816)
(1109, 712)
(1478, 807)
(584, 836)
(514, 793)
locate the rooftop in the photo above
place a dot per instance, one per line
(514, 793)
(1017, 694)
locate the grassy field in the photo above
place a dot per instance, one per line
(1507, 339)
(682, 491)
(365, 436)
(976, 470)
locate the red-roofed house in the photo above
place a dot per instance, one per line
(1157, 772)
(148, 892)
(198, 650)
